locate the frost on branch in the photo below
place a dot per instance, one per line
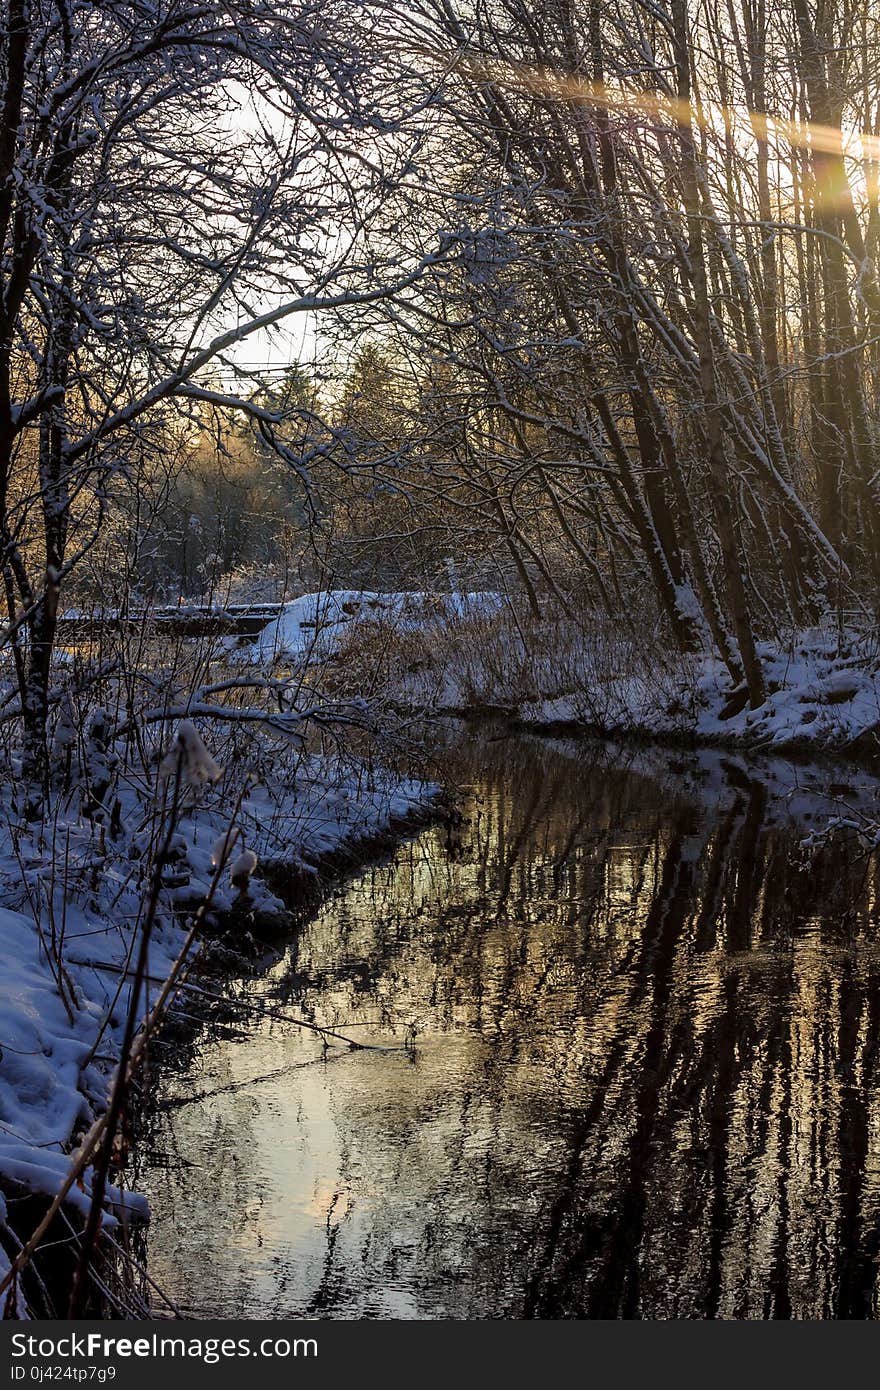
(189, 757)
(224, 846)
(64, 743)
(241, 869)
(99, 762)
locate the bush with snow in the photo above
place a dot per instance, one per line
(189, 759)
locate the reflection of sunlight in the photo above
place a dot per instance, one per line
(330, 1203)
(645, 1058)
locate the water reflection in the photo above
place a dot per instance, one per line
(644, 1080)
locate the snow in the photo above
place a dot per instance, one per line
(189, 757)
(74, 894)
(43, 1051)
(224, 846)
(52, 1066)
(455, 652)
(312, 626)
(242, 868)
(815, 697)
(823, 686)
(823, 691)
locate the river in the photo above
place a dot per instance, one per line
(626, 1063)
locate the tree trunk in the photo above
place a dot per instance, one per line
(724, 496)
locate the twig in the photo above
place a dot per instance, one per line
(265, 1010)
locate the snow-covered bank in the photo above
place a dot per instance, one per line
(75, 889)
(317, 626)
(460, 653)
(823, 693)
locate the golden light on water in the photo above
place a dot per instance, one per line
(643, 1080)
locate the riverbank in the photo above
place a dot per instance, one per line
(823, 695)
(77, 897)
(461, 655)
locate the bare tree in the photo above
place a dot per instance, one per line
(663, 302)
(174, 178)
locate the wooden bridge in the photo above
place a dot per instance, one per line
(232, 620)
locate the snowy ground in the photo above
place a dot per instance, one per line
(822, 693)
(457, 652)
(315, 625)
(74, 893)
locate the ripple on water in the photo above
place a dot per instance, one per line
(644, 1079)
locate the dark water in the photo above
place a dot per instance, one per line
(645, 1079)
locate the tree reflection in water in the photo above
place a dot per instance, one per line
(645, 1074)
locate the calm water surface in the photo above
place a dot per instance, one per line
(636, 1068)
